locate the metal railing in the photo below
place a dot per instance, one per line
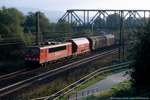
(82, 94)
(66, 91)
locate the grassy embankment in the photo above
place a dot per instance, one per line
(94, 80)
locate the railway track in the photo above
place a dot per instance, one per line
(14, 87)
(11, 75)
(14, 77)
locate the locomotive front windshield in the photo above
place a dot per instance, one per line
(32, 51)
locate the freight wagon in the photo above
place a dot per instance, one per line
(80, 45)
(97, 42)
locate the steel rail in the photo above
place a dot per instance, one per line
(12, 74)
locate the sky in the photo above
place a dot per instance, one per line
(63, 5)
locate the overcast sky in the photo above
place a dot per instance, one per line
(63, 5)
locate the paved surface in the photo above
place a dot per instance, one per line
(102, 85)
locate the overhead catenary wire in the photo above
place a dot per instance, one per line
(12, 39)
(43, 33)
(11, 43)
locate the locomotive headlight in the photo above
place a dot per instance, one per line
(29, 58)
(35, 59)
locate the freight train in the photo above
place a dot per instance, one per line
(53, 51)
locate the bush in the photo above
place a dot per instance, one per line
(141, 69)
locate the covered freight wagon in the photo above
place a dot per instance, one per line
(97, 42)
(110, 39)
(80, 45)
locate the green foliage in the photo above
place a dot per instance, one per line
(99, 22)
(113, 21)
(141, 69)
(124, 90)
(10, 66)
(30, 24)
(118, 90)
(129, 22)
(30, 38)
(63, 26)
(11, 31)
(92, 97)
(1, 38)
(11, 20)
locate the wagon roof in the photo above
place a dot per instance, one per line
(109, 36)
(94, 37)
(80, 41)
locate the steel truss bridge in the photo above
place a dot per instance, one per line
(85, 18)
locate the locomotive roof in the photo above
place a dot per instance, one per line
(80, 41)
(49, 46)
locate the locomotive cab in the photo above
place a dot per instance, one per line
(32, 55)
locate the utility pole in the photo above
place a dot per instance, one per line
(122, 33)
(37, 28)
(120, 36)
(92, 29)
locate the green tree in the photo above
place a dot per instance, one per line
(129, 22)
(11, 30)
(0, 38)
(141, 67)
(44, 22)
(45, 26)
(63, 26)
(113, 21)
(30, 38)
(99, 22)
(63, 29)
(10, 26)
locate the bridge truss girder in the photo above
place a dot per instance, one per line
(83, 19)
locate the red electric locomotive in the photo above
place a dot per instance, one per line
(47, 53)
